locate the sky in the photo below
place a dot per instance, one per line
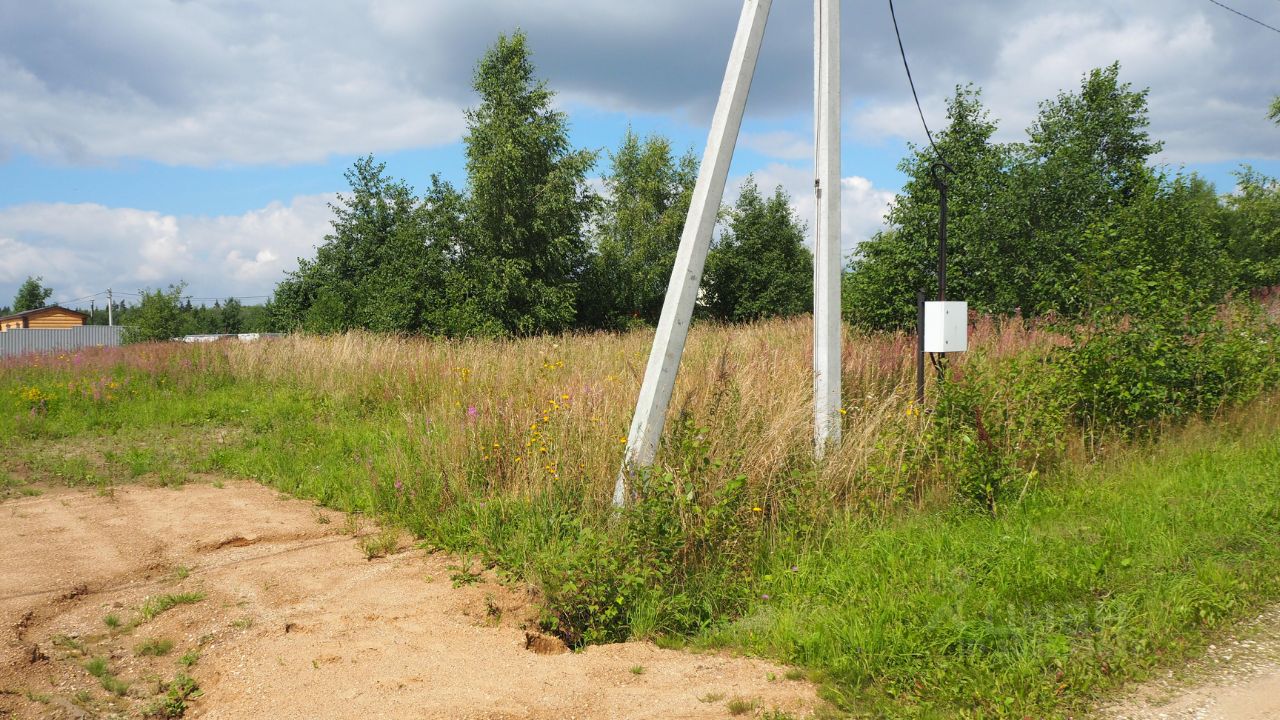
(147, 142)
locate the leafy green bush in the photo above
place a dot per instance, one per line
(1129, 372)
(675, 560)
(998, 424)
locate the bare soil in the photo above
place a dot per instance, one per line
(286, 618)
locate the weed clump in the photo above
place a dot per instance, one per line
(99, 668)
(676, 559)
(158, 604)
(174, 702)
(154, 647)
(380, 544)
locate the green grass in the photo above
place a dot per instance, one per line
(154, 606)
(1093, 581)
(99, 668)
(380, 544)
(153, 647)
(1099, 575)
(173, 704)
(96, 667)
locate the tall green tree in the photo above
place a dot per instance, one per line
(984, 250)
(231, 317)
(159, 316)
(1252, 228)
(1088, 155)
(1021, 213)
(637, 233)
(1275, 111)
(523, 253)
(381, 268)
(760, 266)
(32, 295)
(1160, 250)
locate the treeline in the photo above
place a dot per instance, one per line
(1077, 218)
(158, 314)
(164, 314)
(529, 246)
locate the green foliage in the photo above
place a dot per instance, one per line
(1173, 361)
(1252, 228)
(637, 233)
(100, 669)
(159, 316)
(176, 694)
(1159, 247)
(998, 426)
(154, 647)
(1036, 612)
(676, 560)
(383, 266)
(983, 245)
(1274, 114)
(1026, 217)
(32, 295)
(522, 252)
(230, 317)
(159, 604)
(760, 266)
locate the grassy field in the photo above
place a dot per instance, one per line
(1097, 561)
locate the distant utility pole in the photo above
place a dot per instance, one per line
(110, 307)
(708, 192)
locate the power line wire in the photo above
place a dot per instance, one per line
(185, 297)
(907, 66)
(86, 297)
(1250, 18)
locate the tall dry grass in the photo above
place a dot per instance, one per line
(531, 414)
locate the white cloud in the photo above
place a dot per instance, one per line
(190, 83)
(862, 205)
(204, 82)
(1205, 101)
(779, 144)
(83, 248)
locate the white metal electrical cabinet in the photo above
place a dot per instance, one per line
(946, 326)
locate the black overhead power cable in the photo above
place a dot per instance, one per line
(912, 82)
(86, 297)
(1272, 28)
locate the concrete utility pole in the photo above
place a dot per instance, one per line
(110, 307)
(826, 247)
(686, 276)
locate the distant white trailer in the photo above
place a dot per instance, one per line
(214, 337)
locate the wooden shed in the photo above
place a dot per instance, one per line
(53, 317)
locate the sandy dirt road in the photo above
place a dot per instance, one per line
(287, 619)
(1238, 679)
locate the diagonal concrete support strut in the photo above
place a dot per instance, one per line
(686, 276)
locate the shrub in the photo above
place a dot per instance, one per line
(677, 558)
(998, 424)
(1130, 372)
